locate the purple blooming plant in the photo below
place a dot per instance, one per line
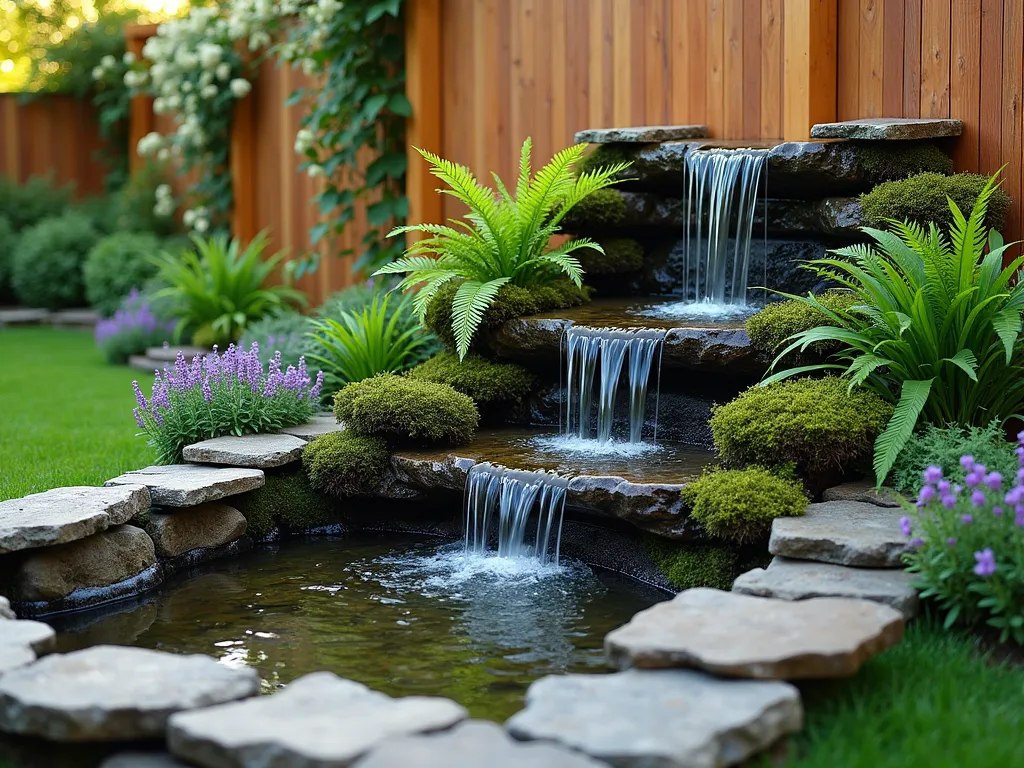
(223, 394)
(133, 329)
(967, 547)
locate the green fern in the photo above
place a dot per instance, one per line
(504, 239)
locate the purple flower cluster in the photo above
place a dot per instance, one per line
(135, 314)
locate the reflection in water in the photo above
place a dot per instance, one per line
(402, 614)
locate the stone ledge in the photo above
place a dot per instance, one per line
(888, 129)
(843, 533)
(321, 424)
(258, 451)
(188, 485)
(641, 134)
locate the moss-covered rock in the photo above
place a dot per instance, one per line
(597, 211)
(287, 499)
(686, 566)
(739, 504)
(604, 155)
(814, 424)
(403, 410)
(774, 324)
(486, 381)
(922, 199)
(621, 254)
(344, 464)
(898, 160)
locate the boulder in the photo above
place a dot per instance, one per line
(641, 134)
(802, 579)
(735, 635)
(40, 637)
(471, 744)
(260, 451)
(842, 532)
(317, 721)
(321, 424)
(208, 525)
(669, 718)
(67, 514)
(187, 485)
(888, 129)
(108, 693)
(863, 491)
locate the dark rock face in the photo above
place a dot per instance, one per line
(831, 217)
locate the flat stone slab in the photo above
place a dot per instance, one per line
(108, 693)
(186, 485)
(67, 514)
(208, 525)
(23, 316)
(735, 635)
(888, 128)
(803, 579)
(472, 744)
(143, 363)
(669, 719)
(36, 635)
(641, 134)
(14, 657)
(260, 451)
(863, 491)
(321, 424)
(318, 721)
(82, 317)
(844, 533)
(168, 354)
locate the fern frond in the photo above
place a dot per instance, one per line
(471, 301)
(913, 397)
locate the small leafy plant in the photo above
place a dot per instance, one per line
(943, 447)
(229, 394)
(505, 240)
(133, 329)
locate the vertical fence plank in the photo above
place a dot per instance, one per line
(869, 91)
(697, 63)
(424, 89)
(848, 55)
(652, 48)
(771, 69)
(578, 27)
(991, 95)
(912, 58)
(935, 37)
(598, 89)
(965, 79)
(810, 40)
(622, 82)
(561, 136)
(716, 87)
(1013, 72)
(892, 58)
(752, 69)
(734, 91)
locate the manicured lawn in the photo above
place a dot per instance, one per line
(65, 415)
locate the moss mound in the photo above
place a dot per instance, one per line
(898, 160)
(405, 410)
(774, 324)
(483, 380)
(287, 499)
(686, 566)
(814, 424)
(922, 199)
(344, 464)
(621, 255)
(597, 211)
(739, 504)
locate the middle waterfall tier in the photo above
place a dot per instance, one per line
(599, 354)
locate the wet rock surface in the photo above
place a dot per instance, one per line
(670, 719)
(736, 635)
(259, 451)
(641, 134)
(208, 525)
(186, 485)
(888, 128)
(844, 533)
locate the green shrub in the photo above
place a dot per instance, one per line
(8, 245)
(115, 265)
(48, 262)
(600, 210)
(101, 211)
(774, 324)
(288, 499)
(815, 424)
(483, 380)
(943, 446)
(621, 254)
(739, 504)
(136, 203)
(25, 205)
(405, 410)
(285, 332)
(343, 464)
(922, 199)
(898, 160)
(687, 566)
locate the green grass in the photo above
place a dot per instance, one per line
(932, 701)
(65, 415)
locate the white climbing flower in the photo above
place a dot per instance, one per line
(108, 61)
(150, 143)
(209, 91)
(201, 225)
(128, 58)
(223, 71)
(240, 87)
(188, 218)
(314, 171)
(98, 73)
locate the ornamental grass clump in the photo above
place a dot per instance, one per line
(968, 545)
(133, 329)
(229, 394)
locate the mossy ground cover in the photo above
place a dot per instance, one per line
(65, 415)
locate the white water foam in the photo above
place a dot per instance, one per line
(699, 310)
(571, 445)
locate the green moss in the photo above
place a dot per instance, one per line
(344, 464)
(774, 324)
(287, 499)
(404, 410)
(483, 380)
(687, 566)
(898, 160)
(604, 155)
(814, 424)
(511, 302)
(739, 504)
(621, 254)
(922, 199)
(599, 210)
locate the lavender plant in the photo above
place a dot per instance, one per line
(968, 545)
(229, 394)
(133, 329)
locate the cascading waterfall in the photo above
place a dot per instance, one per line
(603, 351)
(721, 187)
(512, 496)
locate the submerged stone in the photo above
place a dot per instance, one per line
(842, 532)
(208, 525)
(669, 719)
(641, 134)
(186, 485)
(737, 635)
(888, 128)
(259, 451)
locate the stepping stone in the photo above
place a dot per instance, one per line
(319, 721)
(802, 579)
(23, 316)
(321, 424)
(643, 134)
(142, 760)
(863, 491)
(143, 363)
(888, 128)
(67, 514)
(36, 635)
(82, 317)
(209, 525)
(844, 533)
(108, 693)
(186, 485)
(260, 451)
(15, 656)
(5, 609)
(736, 635)
(472, 744)
(168, 354)
(668, 719)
